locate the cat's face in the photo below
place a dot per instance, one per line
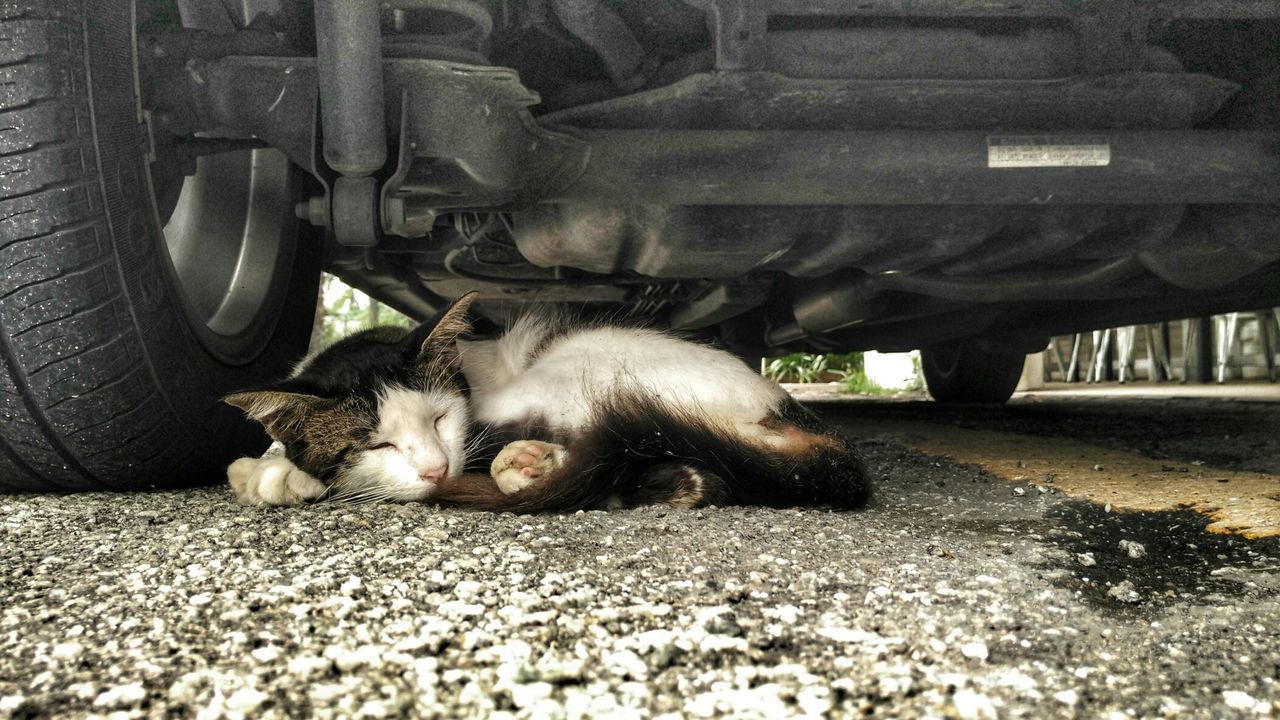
(413, 443)
(393, 428)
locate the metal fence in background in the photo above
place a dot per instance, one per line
(1234, 346)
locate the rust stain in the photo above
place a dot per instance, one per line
(1246, 503)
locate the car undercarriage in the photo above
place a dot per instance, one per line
(804, 175)
(966, 177)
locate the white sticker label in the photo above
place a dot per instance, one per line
(1023, 151)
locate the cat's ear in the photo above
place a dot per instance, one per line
(280, 412)
(442, 342)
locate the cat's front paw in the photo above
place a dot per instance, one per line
(272, 480)
(524, 461)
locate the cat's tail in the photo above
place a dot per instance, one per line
(641, 451)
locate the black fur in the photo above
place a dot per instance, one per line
(365, 362)
(638, 450)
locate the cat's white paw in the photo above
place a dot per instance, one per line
(271, 480)
(524, 461)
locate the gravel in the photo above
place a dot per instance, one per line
(949, 597)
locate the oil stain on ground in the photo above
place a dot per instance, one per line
(1146, 560)
(1093, 511)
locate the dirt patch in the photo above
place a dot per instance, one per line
(1236, 501)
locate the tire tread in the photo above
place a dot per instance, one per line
(61, 360)
(104, 383)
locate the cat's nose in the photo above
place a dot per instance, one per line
(435, 474)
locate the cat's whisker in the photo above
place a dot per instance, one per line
(366, 498)
(342, 497)
(486, 441)
(478, 438)
(481, 442)
(453, 374)
(369, 499)
(348, 493)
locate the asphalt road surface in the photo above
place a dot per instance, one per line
(1045, 559)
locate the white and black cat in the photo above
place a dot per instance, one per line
(586, 416)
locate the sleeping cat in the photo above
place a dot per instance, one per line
(586, 416)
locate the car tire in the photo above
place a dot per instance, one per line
(971, 371)
(112, 362)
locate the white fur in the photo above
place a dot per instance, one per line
(428, 436)
(272, 480)
(562, 382)
(495, 363)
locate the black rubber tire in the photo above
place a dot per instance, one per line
(971, 371)
(104, 383)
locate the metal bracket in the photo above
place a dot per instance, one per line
(738, 29)
(401, 214)
(468, 140)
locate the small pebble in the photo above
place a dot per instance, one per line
(306, 666)
(724, 624)
(973, 706)
(975, 650)
(245, 700)
(1134, 549)
(1019, 491)
(1067, 697)
(121, 696)
(1086, 559)
(939, 551)
(1238, 700)
(1125, 592)
(67, 650)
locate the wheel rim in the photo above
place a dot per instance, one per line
(229, 227)
(230, 240)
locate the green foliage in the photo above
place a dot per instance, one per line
(856, 381)
(781, 369)
(845, 369)
(845, 361)
(812, 370)
(806, 368)
(345, 310)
